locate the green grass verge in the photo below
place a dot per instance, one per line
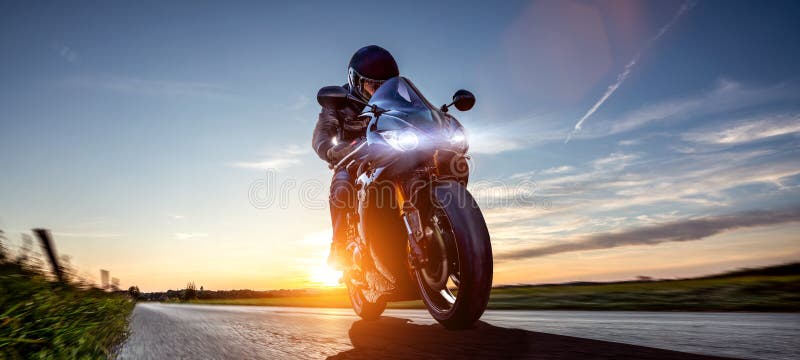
(733, 293)
(41, 320)
(745, 293)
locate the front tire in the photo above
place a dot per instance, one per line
(460, 259)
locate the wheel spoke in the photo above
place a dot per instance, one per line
(447, 296)
(455, 280)
(440, 278)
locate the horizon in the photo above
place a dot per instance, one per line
(574, 282)
(170, 142)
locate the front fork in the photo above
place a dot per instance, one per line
(414, 229)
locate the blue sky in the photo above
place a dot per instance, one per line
(135, 131)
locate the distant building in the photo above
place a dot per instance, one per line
(104, 279)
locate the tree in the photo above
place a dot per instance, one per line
(190, 293)
(3, 239)
(134, 292)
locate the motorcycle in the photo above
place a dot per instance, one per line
(416, 232)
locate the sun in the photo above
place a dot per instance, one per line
(324, 275)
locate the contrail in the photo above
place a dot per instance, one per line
(628, 67)
(676, 231)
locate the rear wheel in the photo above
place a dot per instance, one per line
(456, 281)
(362, 307)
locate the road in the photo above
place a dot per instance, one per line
(171, 331)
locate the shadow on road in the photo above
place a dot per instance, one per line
(394, 338)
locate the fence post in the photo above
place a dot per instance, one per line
(49, 247)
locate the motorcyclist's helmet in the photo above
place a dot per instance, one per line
(369, 67)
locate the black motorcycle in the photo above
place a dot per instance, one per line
(416, 233)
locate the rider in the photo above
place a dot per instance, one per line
(339, 130)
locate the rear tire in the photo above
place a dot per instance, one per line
(472, 274)
(363, 308)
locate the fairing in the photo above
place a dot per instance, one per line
(408, 108)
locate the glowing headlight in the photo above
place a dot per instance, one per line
(458, 137)
(402, 140)
(459, 140)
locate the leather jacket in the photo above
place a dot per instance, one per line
(342, 124)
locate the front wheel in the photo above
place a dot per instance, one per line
(456, 280)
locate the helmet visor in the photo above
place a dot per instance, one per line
(370, 86)
(363, 85)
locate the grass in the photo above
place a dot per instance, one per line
(43, 320)
(723, 293)
(739, 293)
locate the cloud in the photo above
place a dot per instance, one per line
(558, 170)
(616, 160)
(629, 179)
(281, 159)
(609, 192)
(187, 236)
(269, 164)
(570, 183)
(549, 171)
(151, 87)
(300, 102)
(618, 182)
(747, 130)
(628, 68)
(629, 142)
(681, 230)
(493, 193)
(520, 190)
(509, 135)
(725, 96)
(728, 95)
(493, 143)
(92, 235)
(68, 54)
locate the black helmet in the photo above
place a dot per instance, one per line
(371, 65)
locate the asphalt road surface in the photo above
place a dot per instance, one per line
(169, 331)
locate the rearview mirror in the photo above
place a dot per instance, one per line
(463, 100)
(332, 97)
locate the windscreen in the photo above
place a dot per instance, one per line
(400, 98)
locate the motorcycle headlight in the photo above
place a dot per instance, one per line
(458, 137)
(403, 140)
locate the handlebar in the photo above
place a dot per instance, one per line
(345, 160)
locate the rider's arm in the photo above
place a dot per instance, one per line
(326, 130)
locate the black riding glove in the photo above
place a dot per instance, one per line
(338, 152)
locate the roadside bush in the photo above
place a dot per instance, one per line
(40, 319)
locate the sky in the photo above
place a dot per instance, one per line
(170, 141)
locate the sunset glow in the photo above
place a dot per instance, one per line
(325, 276)
(178, 149)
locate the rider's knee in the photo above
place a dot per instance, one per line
(342, 194)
